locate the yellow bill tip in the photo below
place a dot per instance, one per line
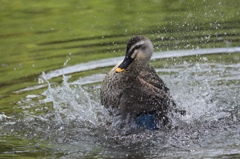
(118, 70)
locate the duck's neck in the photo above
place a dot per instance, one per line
(134, 69)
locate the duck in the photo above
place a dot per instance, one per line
(134, 88)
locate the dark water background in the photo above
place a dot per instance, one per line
(44, 114)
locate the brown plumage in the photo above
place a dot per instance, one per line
(134, 87)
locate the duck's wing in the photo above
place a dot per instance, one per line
(149, 94)
(144, 98)
(149, 75)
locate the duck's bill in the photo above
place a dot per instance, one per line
(126, 62)
(119, 70)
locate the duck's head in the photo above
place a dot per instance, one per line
(139, 49)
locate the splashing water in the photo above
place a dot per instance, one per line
(204, 99)
(202, 87)
(209, 92)
(74, 104)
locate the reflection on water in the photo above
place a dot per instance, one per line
(58, 114)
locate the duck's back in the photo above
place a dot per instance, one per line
(142, 94)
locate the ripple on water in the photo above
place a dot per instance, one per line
(71, 116)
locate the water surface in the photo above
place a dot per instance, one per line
(54, 55)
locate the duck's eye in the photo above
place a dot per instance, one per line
(134, 51)
(136, 47)
(139, 46)
(143, 46)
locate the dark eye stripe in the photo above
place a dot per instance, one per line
(135, 48)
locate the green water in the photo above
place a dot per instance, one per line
(41, 36)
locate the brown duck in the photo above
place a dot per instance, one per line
(134, 87)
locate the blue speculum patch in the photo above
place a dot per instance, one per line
(147, 121)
